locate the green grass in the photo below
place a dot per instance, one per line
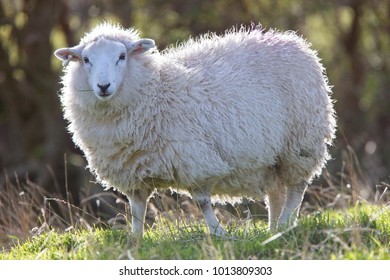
(361, 232)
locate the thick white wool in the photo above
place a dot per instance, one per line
(112, 32)
(239, 114)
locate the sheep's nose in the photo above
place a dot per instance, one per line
(104, 88)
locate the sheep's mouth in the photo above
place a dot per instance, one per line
(104, 96)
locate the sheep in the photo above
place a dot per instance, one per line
(220, 117)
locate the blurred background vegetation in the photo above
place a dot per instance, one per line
(352, 37)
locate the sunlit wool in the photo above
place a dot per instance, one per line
(245, 114)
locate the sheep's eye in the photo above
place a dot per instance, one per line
(86, 59)
(122, 56)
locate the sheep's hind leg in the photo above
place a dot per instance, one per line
(138, 202)
(275, 201)
(204, 202)
(292, 205)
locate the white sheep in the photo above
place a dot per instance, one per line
(245, 114)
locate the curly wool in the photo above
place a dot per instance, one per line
(243, 113)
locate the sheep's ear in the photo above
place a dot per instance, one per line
(69, 54)
(141, 46)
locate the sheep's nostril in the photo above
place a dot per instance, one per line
(104, 88)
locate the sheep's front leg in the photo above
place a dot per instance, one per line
(204, 202)
(138, 203)
(275, 202)
(292, 205)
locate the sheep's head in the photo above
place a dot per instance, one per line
(104, 62)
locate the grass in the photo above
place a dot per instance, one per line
(359, 232)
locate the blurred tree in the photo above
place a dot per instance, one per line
(32, 127)
(33, 138)
(361, 30)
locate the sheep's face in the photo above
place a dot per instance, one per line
(104, 61)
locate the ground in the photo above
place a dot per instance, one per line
(360, 232)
